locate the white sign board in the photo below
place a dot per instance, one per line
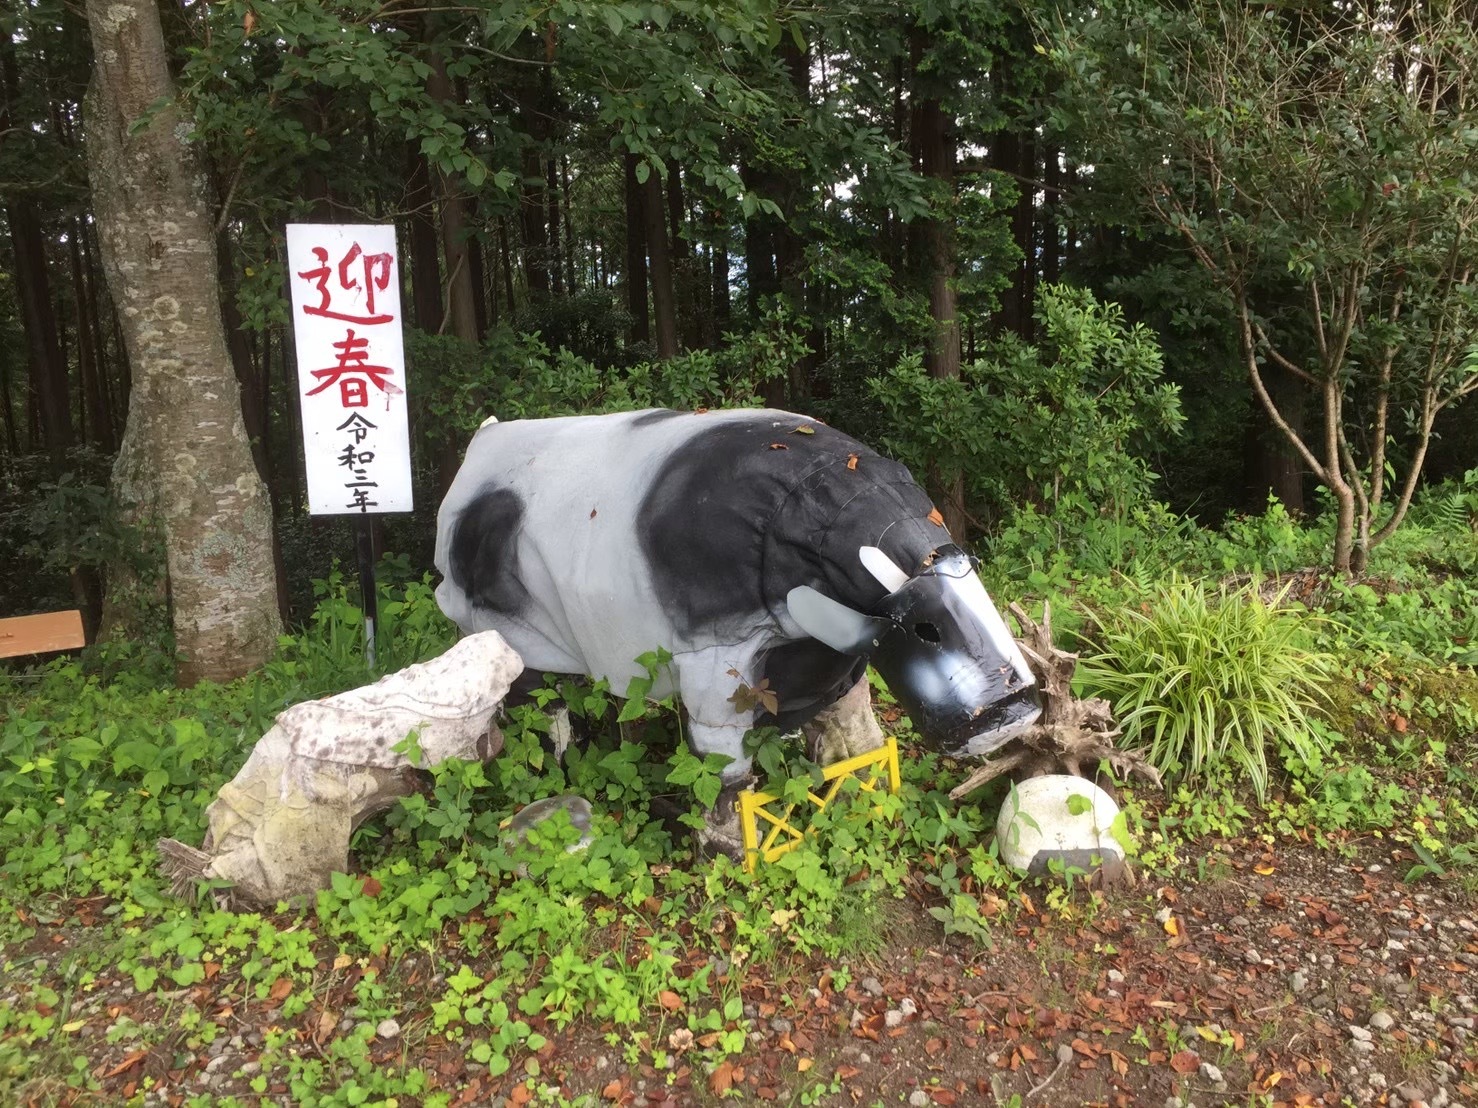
(351, 367)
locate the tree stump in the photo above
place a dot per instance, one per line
(1072, 735)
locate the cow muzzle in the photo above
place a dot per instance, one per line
(944, 650)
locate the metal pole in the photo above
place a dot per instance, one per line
(364, 549)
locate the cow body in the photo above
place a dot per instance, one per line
(588, 541)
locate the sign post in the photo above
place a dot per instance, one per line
(351, 381)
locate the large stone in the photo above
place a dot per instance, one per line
(280, 829)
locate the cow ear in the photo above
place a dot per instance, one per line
(882, 567)
(832, 622)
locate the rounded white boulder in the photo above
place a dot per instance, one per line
(1059, 818)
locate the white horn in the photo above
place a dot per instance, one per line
(884, 568)
(832, 622)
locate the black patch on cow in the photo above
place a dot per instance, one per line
(484, 551)
(747, 510)
(657, 415)
(806, 677)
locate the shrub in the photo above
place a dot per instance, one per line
(1205, 677)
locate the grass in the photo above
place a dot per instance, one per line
(1205, 678)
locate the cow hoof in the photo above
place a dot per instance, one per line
(720, 833)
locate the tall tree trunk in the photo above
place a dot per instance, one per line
(48, 371)
(636, 255)
(718, 229)
(185, 460)
(425, 248)
(461, 317)
(569, 222)
(89, 359)
(115, 400)
(659, 258)
(535, 231)
(551, 196)
(934, 140)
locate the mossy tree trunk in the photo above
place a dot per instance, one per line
(185, 461)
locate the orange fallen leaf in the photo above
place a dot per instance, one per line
(846, 1073)
(669, 1000)
(935, 518)
(1398, 722)
(778, 446)
(942, 1096)
(371, 887)
(128, 1063)
(612, 1091)
(248, 21)
(1266, 869)
(851, 461)
(803, 1064)
(1186, 1061)
(1172, 926)
(280, 988)
(721, 1080)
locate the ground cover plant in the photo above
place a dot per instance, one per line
(891, 955)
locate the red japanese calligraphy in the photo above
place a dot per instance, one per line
(353, 358)
(377, 269)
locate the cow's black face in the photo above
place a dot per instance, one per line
(949, 658)
(941, 646)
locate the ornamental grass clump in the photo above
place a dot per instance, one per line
(1206, 679)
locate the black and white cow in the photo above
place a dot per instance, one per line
(760, 544)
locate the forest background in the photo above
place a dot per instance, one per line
(1096, 274)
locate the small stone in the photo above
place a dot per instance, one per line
(908, 1007)
(1374, 867)
(1251, 956)
(1377, 1080)
(1360, 1034)
(1115, 977)
(1382, 1021)
(250, 1069)
(1298, 981)
(1362, 1046)
(1240, 922)
(918, 1098)
(782, 1025)
(892, 1018)
(1174, 1102)
(1064, 1054)
(1211, 1073)
(1395, 944)
(1162, 917)
(216, 1064)
(1409, 1091)
(864, 1058)
(388, 1028)
(871, 986)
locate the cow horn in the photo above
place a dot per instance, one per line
(832, 622)
(884, 568)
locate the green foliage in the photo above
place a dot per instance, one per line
(1209, 678)
(1064, 425)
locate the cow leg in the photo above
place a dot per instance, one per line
(707, 685)
(846, 729)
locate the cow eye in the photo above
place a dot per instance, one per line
(926, 631)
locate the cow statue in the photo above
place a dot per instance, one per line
(764, 550)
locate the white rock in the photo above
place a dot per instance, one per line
(1360, 1034)
(1211, 1073)
(893, 1018)
(1382, 1021)
(918, 1098)
(388, 1029)
(1052, 831)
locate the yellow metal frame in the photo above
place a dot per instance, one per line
(752, 805)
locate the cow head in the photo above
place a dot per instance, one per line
(939, 643)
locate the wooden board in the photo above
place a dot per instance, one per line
(41, 634)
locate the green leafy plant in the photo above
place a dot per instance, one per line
(1204, 677)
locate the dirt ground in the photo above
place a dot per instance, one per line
(1268, 976)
